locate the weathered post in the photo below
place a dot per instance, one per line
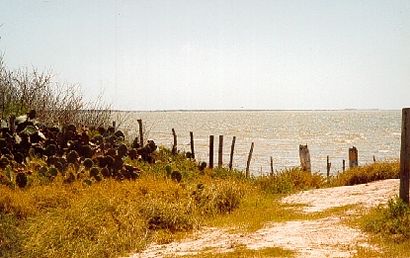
(374, 158)
(114, 125)
(353, 157)
(12, 126)
(344, 165)
(140, 132)
(211, 151)
(191, 135)
(328, 166)
(249, 161)
(232, 151)
(405, 156)
(304, 158)
(174, 145)
(271, 166)
(220, 150)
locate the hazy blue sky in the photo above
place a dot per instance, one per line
(210, 54)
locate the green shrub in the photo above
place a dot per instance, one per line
(368, 173)
(393, 221)
(290, 180)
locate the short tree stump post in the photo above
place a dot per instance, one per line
(304, 156)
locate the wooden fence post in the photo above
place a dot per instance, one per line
(220, 150)
(114, 125)
(211, 151)
(344, 165)
(353, 157)
(328, 166)
(191, 135)
(304, 158)
(374, 158)
(249, 161)
(232, 151)
(140, 132)
(405, 156)
(271, 166)
(12, 126)
(174, 145)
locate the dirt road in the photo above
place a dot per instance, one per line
(326, 237)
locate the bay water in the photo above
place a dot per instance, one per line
(275, 133)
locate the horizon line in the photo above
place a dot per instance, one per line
(250, 110)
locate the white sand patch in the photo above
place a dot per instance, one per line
(367, 195)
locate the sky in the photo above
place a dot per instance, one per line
(217, 54)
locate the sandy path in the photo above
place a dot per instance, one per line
(367, 195)
(309, 238)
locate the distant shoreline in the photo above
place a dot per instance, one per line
(257, 110)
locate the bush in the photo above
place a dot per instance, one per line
(23, 90)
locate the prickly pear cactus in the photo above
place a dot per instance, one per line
(168, 170)
(52, 172)
(10, 177)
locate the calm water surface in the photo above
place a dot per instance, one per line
(277, 134)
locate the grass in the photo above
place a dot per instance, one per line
(90, 223)
(109, 218)
(242, 251)
(112, 218)
(365, 174)
(290, 181)
(389, 227)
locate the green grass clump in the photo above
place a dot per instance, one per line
(173, 216)
(393, 221)
(290, 180)
(220, 196)
(368, 173)
(389, 228)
